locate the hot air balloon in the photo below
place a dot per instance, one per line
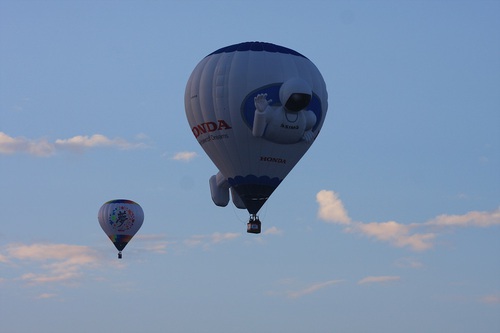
(255, 108)
(120, 219)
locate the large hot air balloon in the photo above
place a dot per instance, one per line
(255, 108)
(120, 219)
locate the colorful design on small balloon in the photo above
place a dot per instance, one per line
(121, 218)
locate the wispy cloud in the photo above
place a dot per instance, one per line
(491, 299)
(218, 237)
(416, 236)
(43, 147)
(273, 231)
(39, 147)
(156, 243)
(4, 259)
(378, 279)
(470, 219)
(184, 156)
(207, 240)
(81, 142)
(409, 263)
(58, 262)
(313, 288)
(46, 296)
(395, 233)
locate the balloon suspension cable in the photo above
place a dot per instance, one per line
(119, 254)
(235, 211)
(254, 226)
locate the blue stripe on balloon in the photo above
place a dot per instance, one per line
(254, 180)
(257, 46)
(121, 201)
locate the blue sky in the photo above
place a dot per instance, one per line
(391, 221)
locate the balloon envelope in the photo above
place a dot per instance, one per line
(120, 219)
(255, 108)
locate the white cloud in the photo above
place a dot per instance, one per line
(156, 243)
(273, 231)
(195, 240)
(184, 156)
(43, 147)
(378, 279)
(81, 142)
(331, 210)
(158, 247)
(11, 145)
(207, 240)
(46, 296)
(58, 262)
(395, 233)
(218, 237)
(4, 259)
(470, 219)
(312, 288)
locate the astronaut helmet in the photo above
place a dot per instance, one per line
(295, 94)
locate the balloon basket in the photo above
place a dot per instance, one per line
(119, 255)
(254, 226)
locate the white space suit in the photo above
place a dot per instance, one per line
(290, 122)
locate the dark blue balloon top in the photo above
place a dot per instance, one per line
(257, 46)
(121, 201)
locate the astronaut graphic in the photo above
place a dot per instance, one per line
(290, 122)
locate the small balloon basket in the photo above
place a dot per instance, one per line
(120, 255)
(254, 226)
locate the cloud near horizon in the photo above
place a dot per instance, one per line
(44, 148)
(58, 262)
(331, 210)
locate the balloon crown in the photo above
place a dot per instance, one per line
(257, 46)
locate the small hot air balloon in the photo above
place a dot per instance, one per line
(120, 219)
(255, 108)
